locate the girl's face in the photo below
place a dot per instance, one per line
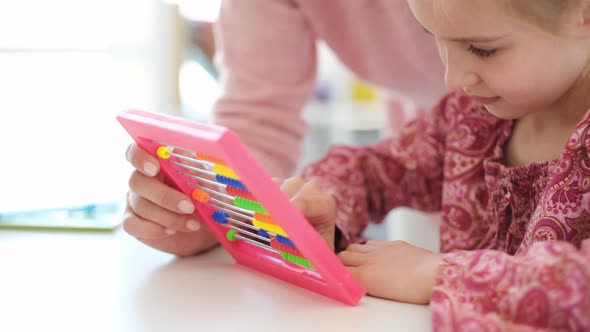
(516, 67)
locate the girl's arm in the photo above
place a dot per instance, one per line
(267, 55)
(406, 170)
(545, 287)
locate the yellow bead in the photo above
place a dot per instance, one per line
(163, 152)
(268, 227)
(225, 171)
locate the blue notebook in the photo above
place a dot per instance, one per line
(92, 218)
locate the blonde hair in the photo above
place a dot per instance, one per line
(546, 14)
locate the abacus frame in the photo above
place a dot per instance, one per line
(328, 277)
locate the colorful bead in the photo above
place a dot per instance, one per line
(163, 152)
(285, 241)
(268, 227)
(230, 182)
(296, 260)
(225, 171)
(231, 235)
(249, 205)
(220, 217)
(264, 218)
(200, 196)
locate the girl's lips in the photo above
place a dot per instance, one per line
(485, 100)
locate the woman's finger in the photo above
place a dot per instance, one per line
(147, 210)
(144, 229)
(157, 192)
(142, 161)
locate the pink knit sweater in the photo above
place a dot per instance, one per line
(268, 64)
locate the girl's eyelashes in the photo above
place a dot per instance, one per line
(480, 52)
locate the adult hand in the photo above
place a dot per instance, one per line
(159, 215)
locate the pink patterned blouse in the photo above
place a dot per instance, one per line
(513, 237)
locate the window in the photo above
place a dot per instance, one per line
(67, 67)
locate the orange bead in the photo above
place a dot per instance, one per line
(264, 218)
(209, 158)
(200, 195)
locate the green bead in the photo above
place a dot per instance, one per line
(231, 235)
(295, 259)
(249, 205)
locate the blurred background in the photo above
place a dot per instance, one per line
(67, 67)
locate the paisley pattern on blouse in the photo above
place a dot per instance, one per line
(514, 237)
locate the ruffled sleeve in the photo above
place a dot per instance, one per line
(544, 287)
(406, 170)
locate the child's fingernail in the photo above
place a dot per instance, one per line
(186, 207)
(299, 203)
(193, 225)
(170, 231)
(150, 168)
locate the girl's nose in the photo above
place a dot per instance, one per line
(458, 73)
(457, 79)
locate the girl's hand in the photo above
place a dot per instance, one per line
(318, 207)
(393, 270)
(159, 215)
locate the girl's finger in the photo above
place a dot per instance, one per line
(291, 186)
(361, 248)
(375, 243)
(315, 207)
(279, 182)
(356, 272)
(350, 258)
(314, 204)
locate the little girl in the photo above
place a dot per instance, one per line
(505, 158)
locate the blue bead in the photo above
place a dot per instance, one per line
(285, 241)
(230, 182)
(220, 217)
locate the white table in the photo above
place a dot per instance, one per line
(52, 281)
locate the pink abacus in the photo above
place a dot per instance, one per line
(240, 204)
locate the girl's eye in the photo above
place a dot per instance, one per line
(480, 52)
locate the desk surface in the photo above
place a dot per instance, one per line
(110, 282)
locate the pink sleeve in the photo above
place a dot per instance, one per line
(267, 55)
(545, 287)
(367, 182)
